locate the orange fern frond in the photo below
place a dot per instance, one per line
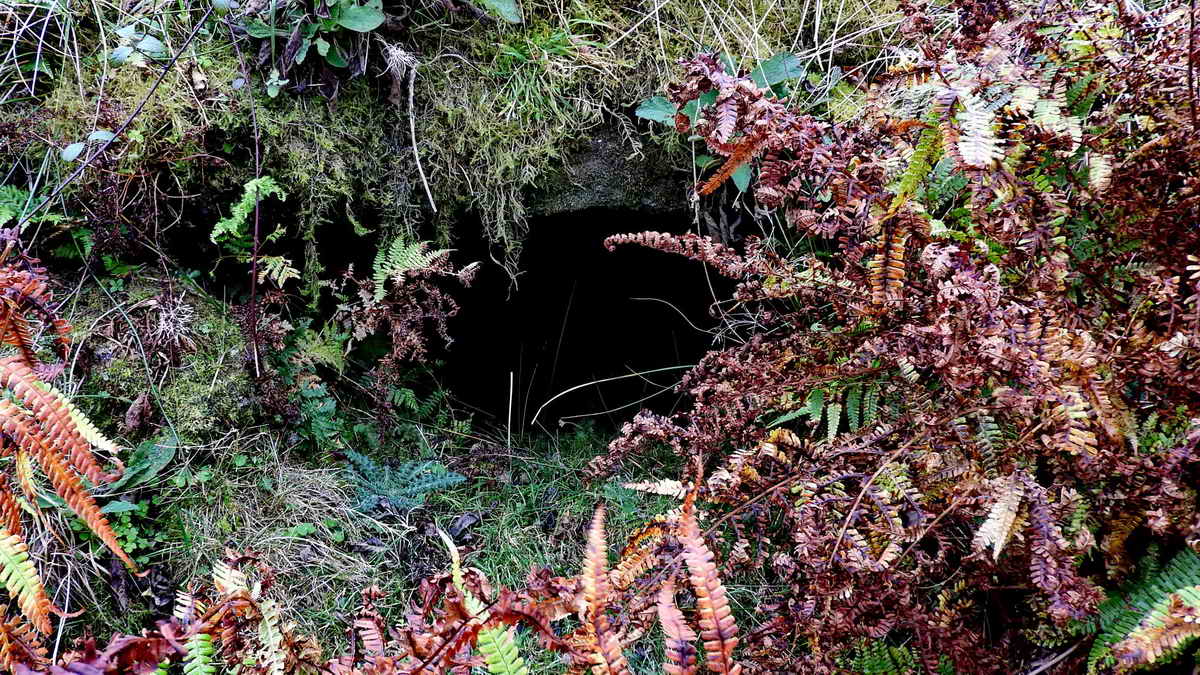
(10, 510)
(61, 431)
(680, 638)
(718, 628)
(19, 644)
(607, 659)
(740, 155)
(27, 435)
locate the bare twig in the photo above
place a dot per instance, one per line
(412, 131)
(257, 175)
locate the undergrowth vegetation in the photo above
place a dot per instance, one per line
(950, 422)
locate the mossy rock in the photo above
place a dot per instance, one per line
(175, 344)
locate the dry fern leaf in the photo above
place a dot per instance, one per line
(228, 580)
(86, 429)
(29, 438)
(10, 510)
(680, 638)
(978, 144)
(607, 659)
(19, 643)
(1100, 170)
(272, 658)
(666, 487)
(60, 429)
(20, 578)
(998, 526)
(717, 626)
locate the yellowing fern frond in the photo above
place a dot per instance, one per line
(21, 579)
(272, 657)
(998, 527)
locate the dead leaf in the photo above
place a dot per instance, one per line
(139, 413)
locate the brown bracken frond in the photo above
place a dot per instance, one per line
(717, 626)
(680, 638)
(39, 426)
(608, 658)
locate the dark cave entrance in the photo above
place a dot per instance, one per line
(581, 314)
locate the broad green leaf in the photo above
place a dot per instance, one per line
(704, 161)
(101, 136)
(509, 10)
(119, 506)
(360, 19)
(780, 67)
(152, 47)
(692, 108)
(728, 63)
(146, 462)
(72, 151)
(741, 177)
(256, 28)
(335, 59)
(656, 109)
(120, 55)
(303, 50)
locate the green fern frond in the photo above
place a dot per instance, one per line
(500, 652)
(854, 394)
(20, 579)
(392, 261)
(232, 231)
(1145, 602)
(943, 187)
(919, 165)
(327, 346)
(871, 405)
(880, 658)
(816, 405)
(833, 418)
(199, 658)
(400, 488)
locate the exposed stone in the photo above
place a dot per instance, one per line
(606, 172)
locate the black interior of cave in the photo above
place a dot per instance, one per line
(578, 315)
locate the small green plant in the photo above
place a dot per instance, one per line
(392, 489)
(1136, 620)
(15, 202)
(399, 257)
(232, 232)
(330, 33)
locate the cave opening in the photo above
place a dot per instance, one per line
(613, 330)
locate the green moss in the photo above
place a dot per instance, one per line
(500, 106)
(202, 392)
(497, 108)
